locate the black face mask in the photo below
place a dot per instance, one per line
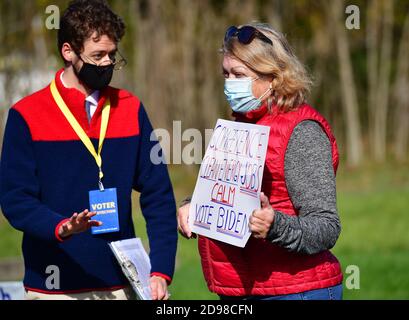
(96, 77)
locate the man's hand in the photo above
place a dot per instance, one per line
(78, 223)
(261, 219)
(183, 225)
(159, 288)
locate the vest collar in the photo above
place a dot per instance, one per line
(255, 115)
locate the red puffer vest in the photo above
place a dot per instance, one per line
(262, 268)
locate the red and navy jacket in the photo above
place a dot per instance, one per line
(45, 176)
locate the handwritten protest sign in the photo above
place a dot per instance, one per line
(228, 186)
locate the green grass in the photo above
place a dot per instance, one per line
(10, 240)
(373, 205)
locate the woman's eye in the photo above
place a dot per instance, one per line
(240, 75)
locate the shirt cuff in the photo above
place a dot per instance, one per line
(164, 276)
(185, 201)
(276, 226)
(57, 228)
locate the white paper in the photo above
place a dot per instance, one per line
(136, 265)
(11, 291)
(229, 182)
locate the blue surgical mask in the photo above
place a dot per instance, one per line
(239, 94)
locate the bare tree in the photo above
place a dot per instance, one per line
(210, 83)
(401, 97)
(274, 7)
(188, 12)
(372, 35)
(348, 87)
(151, 53)
(379, 72)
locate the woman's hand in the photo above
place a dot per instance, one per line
(183, 225)
(261, 219)
(159, 288)
(78, 223)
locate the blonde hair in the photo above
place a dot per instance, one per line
(291, 82)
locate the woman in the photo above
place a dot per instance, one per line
(288, 255)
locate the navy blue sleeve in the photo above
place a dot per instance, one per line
(157, 201)
(19, 185)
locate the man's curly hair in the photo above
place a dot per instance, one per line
(84, 17)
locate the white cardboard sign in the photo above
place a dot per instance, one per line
(228, 185)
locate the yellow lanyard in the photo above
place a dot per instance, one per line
(81, 133)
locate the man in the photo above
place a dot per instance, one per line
(56, 161)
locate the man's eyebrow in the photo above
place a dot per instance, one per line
(97, 51)
(103, 51)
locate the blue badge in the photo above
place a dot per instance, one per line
(105, 204)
